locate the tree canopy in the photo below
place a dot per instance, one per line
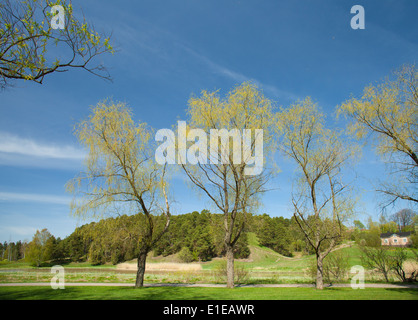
(31, 47)
(389, 113)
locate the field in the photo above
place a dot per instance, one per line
(264, 266)
(179, 293)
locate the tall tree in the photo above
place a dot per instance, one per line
(358, 224)
(121, 176)
(389, 113)
(233, 186)
(40, 248)
(31, 45)
(319, 196)
(403, 218)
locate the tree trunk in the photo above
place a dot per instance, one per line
(229, 266)
(385, 274)
(319, 273)
(139, 283)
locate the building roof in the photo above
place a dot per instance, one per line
(399, 234)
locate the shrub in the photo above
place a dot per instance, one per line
(368, 239)
(398, 265)
(185, 255)
(414, 240)
(335, 267)
(377, 258)
(241, 274)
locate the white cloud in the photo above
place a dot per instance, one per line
(238, 77)
(13, 144)
(33, 197)
(18, 151)
(160, 42)
(20, 231)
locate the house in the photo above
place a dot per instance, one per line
(400, 239)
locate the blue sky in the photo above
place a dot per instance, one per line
(168, 50)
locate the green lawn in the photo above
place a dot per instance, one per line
(26, 265)
(264, 266)
(178, 293)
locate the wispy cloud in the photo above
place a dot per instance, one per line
(13, 144)
(165, 45)
(239, 77)
(18, 151)
(33, 197)
(20, 231)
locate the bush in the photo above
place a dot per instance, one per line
(378, 259)
(368, 239)
(398, 258)
(185, 255)
(241, 274)
(414, 240)
(335, 267)
(387, 261)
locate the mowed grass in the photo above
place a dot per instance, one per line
(181, 293)
(263, 266)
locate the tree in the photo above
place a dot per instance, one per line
(369, 238)
(386, 260)
(40, 249)
(185, 255)
(403, 218)
(358, 224)
(399, 257)
(389, 113)
(320, 200)
(389, 227)
(273, 233)
(232, 186)
(76, 245)
(377, 258)
(28, 38)
(121, 177)
(201, 233)
(335, 267)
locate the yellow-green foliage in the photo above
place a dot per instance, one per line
(389, 111)
(27, 38)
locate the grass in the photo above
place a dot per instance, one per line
(264, 266)
(26, 265)
(14, 265)
(179, 293)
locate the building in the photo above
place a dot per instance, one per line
(400, 239)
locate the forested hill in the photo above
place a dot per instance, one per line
(193, 236)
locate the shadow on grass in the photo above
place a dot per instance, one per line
(182, 293)
(411, 291)
(101, 293)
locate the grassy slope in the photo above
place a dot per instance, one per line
(271, 260)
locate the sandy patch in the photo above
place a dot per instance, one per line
(169, 266)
